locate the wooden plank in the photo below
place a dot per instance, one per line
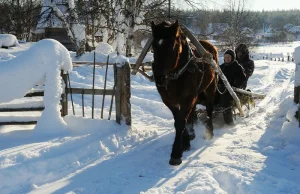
(90, 91)
(19, 123)
(21, 109)
(142, 55)
(296, 94)
(126, 95)
(103, 98)
(93, 97)
(82, 63)
(71, 93)
(118, 93)
(102, 64)
(32, 94)
(82, 100)
(64, 96)
(112, 96)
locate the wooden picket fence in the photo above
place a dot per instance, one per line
(121, 91)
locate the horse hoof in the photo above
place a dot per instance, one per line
(209, 135)
(175, 162)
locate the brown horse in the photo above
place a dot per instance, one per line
(179, 80)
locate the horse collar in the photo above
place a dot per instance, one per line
(175, 75)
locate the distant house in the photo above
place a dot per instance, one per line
(49, 26)
(269, 34)
(211, 31)
(248, 34)
(216, 30)
(294, 30)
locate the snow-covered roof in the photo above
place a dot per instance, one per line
(216, 28)
(268, 35)
(294, 29)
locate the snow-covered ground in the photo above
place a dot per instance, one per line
(260, 154)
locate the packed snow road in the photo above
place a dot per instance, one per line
(259, 154)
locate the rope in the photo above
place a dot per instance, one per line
(220, 91)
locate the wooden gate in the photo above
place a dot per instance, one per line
(121, 91)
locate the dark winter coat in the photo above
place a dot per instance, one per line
(234, 73)
(247, 64)
(244, 60)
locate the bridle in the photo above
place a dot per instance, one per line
(171, 76)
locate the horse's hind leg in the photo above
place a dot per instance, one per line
(186, 145)
(210, 96)
(190, 124)
(209, 126)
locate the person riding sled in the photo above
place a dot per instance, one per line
(236, 77)
(242, 55)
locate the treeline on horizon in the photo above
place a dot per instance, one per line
(255, 20)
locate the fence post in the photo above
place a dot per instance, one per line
(296, 94)
(118, 74)
(297, 80)
(64, 96)
(123, 93)
(126, 94)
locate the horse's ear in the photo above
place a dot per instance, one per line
(176, 24)
(152, 25)
(175, 27)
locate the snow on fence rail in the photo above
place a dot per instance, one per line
(121, 93)
(42, 62)
(272, 56)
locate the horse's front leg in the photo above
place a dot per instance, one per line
(186, 106)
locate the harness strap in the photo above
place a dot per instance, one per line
(176, 75)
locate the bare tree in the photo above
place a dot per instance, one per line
(19, 17)
(235, 34)
(68, 20)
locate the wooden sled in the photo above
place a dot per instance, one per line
(247, 99)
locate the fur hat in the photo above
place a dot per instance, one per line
(230, 52)
(243, 49)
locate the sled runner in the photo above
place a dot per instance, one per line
(247, 99)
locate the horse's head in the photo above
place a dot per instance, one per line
(166, 46)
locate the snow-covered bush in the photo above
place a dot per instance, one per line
(8, 40)
(104, 48)
(43, 61)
